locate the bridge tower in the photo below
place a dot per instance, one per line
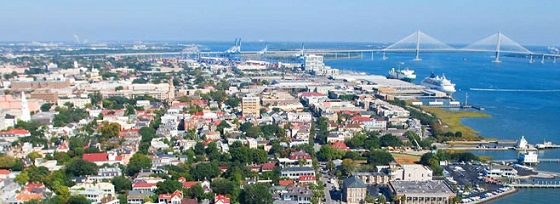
(417, 58)
(498, 44)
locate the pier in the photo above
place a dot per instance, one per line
(543, 184)
(540, 160)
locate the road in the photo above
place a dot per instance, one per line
(332, 193)
(325, 180)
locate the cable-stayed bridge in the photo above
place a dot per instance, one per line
(417, 42)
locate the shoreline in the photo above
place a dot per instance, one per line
(504, 194)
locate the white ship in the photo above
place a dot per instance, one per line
(405, 75)
(252, 65)
(439, 83)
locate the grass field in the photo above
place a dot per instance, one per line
(452, 121)
(405, 158)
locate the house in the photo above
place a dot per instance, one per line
(416, 172)
(14, 134)
(373, 178)
(353, 190)
(144, 186)
(500, 171)
(307, 179)
(302, 195)
(5, 173)
(26, 197)
(435, 191)
(221, 199)
(295, 158)
(340, 145)
(296, 172)
(109, 158)
(173, 198)
(138, 197)
(268, 166)
(285, 182)
(186, 184)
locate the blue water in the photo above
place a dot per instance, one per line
(532, 114)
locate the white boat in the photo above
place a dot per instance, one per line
(439, 83)
(405, 75)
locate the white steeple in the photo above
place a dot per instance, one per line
(25, 114)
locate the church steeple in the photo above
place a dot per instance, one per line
(171, 91)
(25, 114)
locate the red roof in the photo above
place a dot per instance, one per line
(143, 185)
(178, 104)
(306, 178)
(361, 119)
(30, 186)
(15, 132)
(221, 198)
(177, 193)
(285, 182)
(4, 171)
(62, 147)
(299, 155)
(269, 165)
(308, 94)
(99, 157)
(188, 184)
(339, 145)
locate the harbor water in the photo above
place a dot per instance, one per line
(523, 98)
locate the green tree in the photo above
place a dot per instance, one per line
(195, 191)
(205, 171)
(129, 110)
(225, 187)
(138, 162)
(328, 153)
(222, 125)
(22, 178)
(347, 167)
(121, 183)
(80, 167)
(382, 199)
(37, 174)
(95, 98)
(46, 107)
(34, 155)
(199, 148)
(168, 186)
(378, 157)
(78, 199)
(389, 140)
(323, 133)
(109, 130)
(245, 126)
(256, 194)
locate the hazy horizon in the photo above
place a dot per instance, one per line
(457, 22)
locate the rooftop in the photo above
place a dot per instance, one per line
(421, 187)
(353, 182)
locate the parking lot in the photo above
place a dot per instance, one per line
(464, 174)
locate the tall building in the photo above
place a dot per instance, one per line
(353, 190)
(171, 93)
(314, 64)
(251, 106)
(25, 114)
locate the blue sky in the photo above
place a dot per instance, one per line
(527, 22)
